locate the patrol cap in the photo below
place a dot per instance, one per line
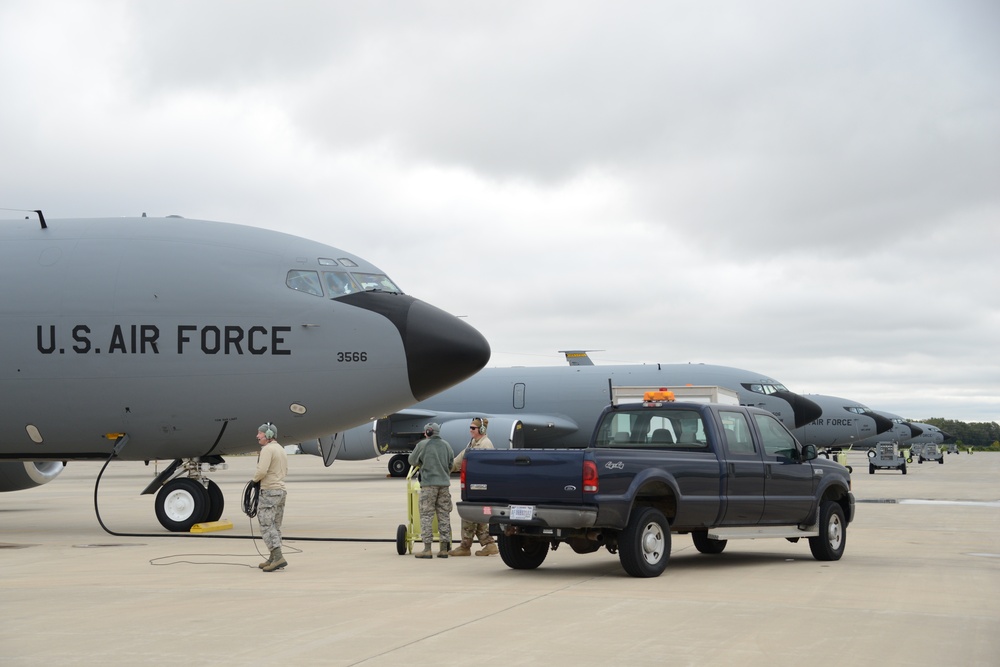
(433, 427)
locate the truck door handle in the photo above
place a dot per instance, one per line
(522, 460)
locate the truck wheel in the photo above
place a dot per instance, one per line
(644, 545)
(705, 544)
(829, 544)
(521, 553)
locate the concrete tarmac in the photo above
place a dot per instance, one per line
(919, 583)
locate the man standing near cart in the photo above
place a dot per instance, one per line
(470, 529)
(434, 457)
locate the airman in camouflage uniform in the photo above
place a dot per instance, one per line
(272, 467)
(472, 529)
(434, 458)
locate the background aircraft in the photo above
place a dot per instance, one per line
(175, 339)
(902, 431)
(843, 423)
(929, 435)
(551, 406)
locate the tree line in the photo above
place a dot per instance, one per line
(982, 435)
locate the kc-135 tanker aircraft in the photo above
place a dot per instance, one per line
(174, 339)
(557, 406)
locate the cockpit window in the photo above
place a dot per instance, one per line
(339, 283)
(766, 389)
(376, 281)
(304, 281)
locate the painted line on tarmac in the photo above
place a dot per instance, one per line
(966, 503)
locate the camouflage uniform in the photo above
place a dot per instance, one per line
(272, 467)
(270, 512)
(472, 529)
(434, 458)
(435, 500)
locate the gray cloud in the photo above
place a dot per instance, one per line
(803, 189)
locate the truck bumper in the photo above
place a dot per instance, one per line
(542, 515)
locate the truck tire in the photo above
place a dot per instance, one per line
(644, 545)
(829, 544)
(522, 553)
(705, 544)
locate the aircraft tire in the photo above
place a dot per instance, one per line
(705, 544)
(829, 544)
(644, 545)
(521, 553)
(216, 502)
(399, 465)
(181, 503)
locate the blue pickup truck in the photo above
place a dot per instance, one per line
(718, 472)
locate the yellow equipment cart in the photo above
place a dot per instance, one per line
(409, 532)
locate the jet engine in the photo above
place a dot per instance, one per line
(18, 475)
(504, 432)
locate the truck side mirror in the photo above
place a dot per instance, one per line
(808, 452)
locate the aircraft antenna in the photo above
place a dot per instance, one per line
(38, 212)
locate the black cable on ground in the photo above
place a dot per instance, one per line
(97, 512)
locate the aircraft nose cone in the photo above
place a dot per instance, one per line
(805, 410)
(882, 424)
(441, 350)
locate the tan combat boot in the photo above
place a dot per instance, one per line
(277, 561)
(488, 550)
(463, 549)
(426, 553)
(265, 563)
(443, 549)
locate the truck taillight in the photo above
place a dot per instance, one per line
(461, 479)
(589, 477)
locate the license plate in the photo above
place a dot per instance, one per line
(522, 512)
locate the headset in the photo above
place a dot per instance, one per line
(270, 430)
(482, 425)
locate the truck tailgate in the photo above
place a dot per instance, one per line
(524, 476)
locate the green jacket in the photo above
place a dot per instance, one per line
(434, 457)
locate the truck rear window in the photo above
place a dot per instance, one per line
(652, 428)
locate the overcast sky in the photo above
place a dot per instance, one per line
(809, 190)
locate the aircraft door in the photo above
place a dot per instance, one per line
(744, 470)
